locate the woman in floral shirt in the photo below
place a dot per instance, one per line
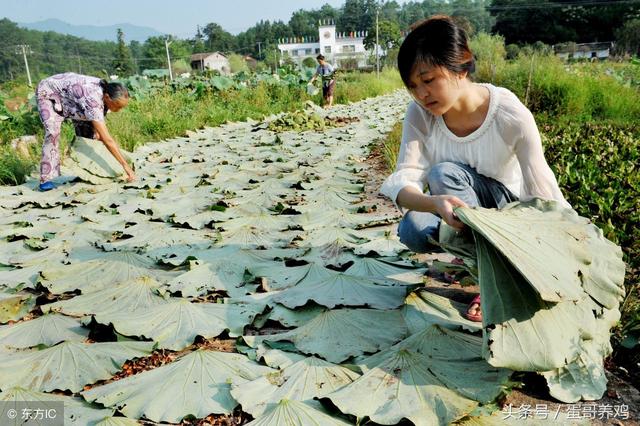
(79, 98)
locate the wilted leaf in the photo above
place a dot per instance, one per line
(302, 381)
(196, 384)
(336, 335)
(76, 410)
(433, 377)
(45, 330)
(175, 324)
(48, 369)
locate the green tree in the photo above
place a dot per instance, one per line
(199, 43)
(475, 12)
(357, 15)
(135, 47)
(123, 64)
(155, 55)
(628, 38)
(309, 62)
(556, 21)
(237, 63)
(217, 39)
(388, 35)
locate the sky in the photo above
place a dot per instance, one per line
(178, 18)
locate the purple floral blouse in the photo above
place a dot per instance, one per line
(74, 96)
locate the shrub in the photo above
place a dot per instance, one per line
(490, 55)
(309, 62)
(237, 63)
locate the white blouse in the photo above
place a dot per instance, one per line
(506, 147)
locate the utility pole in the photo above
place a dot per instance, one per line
(166, 47)
(277, 58)
(23, 48)
(377, 55)
(78, 57)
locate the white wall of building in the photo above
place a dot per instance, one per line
(337, 48)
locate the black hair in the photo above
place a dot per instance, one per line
(115, 90)
(436, 41)
(320, 58)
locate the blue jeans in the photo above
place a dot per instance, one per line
(449, 178)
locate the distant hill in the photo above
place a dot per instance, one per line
(93, 32)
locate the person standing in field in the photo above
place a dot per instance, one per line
(80, 98)
(326, 73)
(471, 144)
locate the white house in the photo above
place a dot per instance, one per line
(597, 50)
(211, 61)
(341, 49)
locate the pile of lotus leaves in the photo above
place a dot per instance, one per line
(227, 235)
(304, 120)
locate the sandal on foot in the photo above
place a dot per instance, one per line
(47, 186)
(474, 317)
(450, 278)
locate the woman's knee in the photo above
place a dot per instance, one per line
(446, 177)
(415, 229)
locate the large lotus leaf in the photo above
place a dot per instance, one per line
(295, 413)
(199, 220)
(29, 216)
(386, 244)
(524, 332)
(336, 335)
(302, 381)
(152, 235)
(93, 156)
(27, 196)
(433, 377)
(68, 365)
(45, 330)
(263, 221)
(261, 199)
(386, 270)
(176, 324)
(72, 168)
(423, 308)
(196, 384)
(327, 200)
(293, 317)
(279, 276)
(18, 253)
(250, 236)
(26, 277)
(130, 296)
(246, 257)
(76, 410)
(584, 378)
(188, 202)
(315, 219)
(202, 278)
(328, 255)
(105, 271)
(333, 289)
(336, 185)
(277, 358)
(333, 236)
(15, 305)
(558, 252)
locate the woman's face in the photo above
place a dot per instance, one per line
(435, 88)
(115, 105)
